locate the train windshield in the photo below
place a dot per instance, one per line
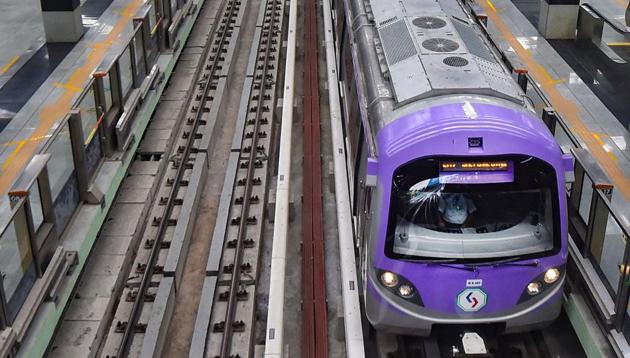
(472, 209)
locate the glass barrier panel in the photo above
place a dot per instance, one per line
(626, 324)
(93, 155)
(535, 99)
(89, 115)
(63, 180)
(173, 7)
(35, 200)
(152, 17)
(107, 91)
(138, 52)
(61, 164)
(585, 198)
(16, 264)
(126, 72)
(563, 139)
(152, 47)
(608, 254)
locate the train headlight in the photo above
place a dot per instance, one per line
(534, 288)
(405, 291)
(389, 279)
(552, 275)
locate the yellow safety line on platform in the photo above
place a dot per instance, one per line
(10, 158)
(567, 109)
(50, 114)
(491, 5)
(618, 44)
(603, 144)
(8, 66)
(34, 139)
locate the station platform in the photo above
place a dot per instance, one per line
(580, 83)
(605, 77)
(26, 60)
(27, 35)
(595, 126)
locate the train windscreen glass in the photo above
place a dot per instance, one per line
(473, 209)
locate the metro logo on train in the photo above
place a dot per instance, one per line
(472, 299)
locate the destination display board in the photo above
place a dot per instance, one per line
(474, 166)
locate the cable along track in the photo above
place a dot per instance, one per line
(225, 321)
(139, 326)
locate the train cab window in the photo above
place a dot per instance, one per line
(473, 208)
(126, 72)
(16, 263)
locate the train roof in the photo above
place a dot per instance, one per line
(431, 48)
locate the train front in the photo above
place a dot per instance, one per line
(469, 221)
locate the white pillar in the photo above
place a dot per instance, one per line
(558, 18)
(62, 20)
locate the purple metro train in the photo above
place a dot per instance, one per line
(457, 186)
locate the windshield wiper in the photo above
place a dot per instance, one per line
(445, 263)
(509, 261)
(432, 261)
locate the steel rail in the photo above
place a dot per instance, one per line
(226, 341)
(274, 340)
(314, 317)
(232, 6)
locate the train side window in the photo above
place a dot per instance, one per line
(126, 72)
(89, 117)
(35, 201)
(16, 263)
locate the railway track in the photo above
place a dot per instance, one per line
(157, 265)
(225, 327)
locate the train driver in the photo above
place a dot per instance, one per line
(455, 209)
